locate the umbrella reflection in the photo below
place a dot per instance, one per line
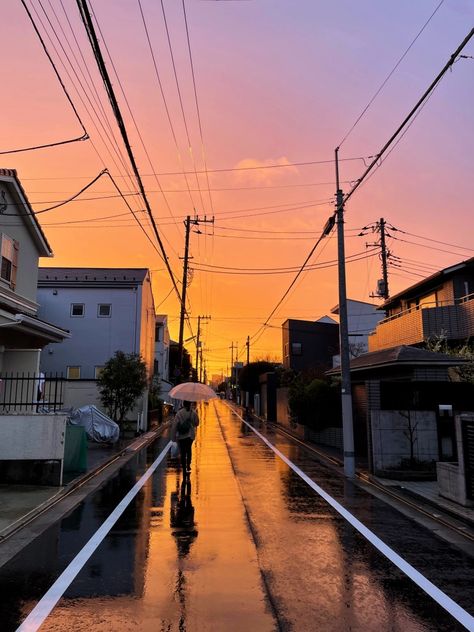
(182, 518)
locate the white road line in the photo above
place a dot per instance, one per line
(461, 615)
(44, 606)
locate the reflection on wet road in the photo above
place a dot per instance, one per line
(244, 545)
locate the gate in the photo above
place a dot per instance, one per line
(468, 449)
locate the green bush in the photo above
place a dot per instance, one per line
(315, 404)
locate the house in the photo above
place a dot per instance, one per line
(309, 344)
(362, 319)
(31, 433)
(162, 356)
(22, 242)
(106, 310)
(315, 344)
(441, 305)
(404, 408)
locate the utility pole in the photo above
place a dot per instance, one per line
(346, 395)
(232, 363)
(380, 228)
(195, 221)
(200, 364)
(247, 344)
(187, 224)
(201, 319)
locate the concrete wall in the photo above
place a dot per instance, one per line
(390, 445)
(94, 339)
(452, 476)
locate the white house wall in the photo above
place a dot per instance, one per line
(93, 339)
(14, 227)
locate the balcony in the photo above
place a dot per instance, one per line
(417, 324)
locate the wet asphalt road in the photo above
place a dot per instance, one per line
(247, 546)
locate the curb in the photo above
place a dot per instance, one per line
(132, 448)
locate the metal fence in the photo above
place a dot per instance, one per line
(31, 393)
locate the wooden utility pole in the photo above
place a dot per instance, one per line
(247, 344)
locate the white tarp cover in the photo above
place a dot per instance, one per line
(99, 427)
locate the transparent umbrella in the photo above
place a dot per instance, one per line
(192, 392)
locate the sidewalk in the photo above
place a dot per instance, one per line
(21, 503)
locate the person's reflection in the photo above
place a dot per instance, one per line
(182, 518)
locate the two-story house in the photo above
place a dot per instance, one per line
(106, 310)
(315, 344)
(22, 242)
(441, 305)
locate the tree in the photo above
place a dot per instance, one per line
(315, 403)
(122, 380)
(176, 374)
(463, 372)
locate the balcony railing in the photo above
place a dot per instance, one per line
(27, 393)
(421, 322)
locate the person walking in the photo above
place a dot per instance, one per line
(183, 431)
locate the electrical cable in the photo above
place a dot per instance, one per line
(85, 135)
(183, 114)
(275, 272)
(87, 21)
(51, 208)
(196, 101)
(410, 116)
(436, 241)
(165, 103)
(387, 78)
(137, 129)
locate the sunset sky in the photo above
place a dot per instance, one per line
(278, 82)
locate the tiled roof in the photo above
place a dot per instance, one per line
(403, 354)
(91, 275)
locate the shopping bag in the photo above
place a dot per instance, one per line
(174, 452)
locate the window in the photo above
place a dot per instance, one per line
(73, 373)
(97, 371)
(104, 310)
(77, 309)
(9, 260)
(296, 348)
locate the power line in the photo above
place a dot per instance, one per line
(409, 118)
(87, 21)
(436, 241)
(221, 170)
(137, 129)
(414, 243)
(51, 208)
(276, 271)
(183, 114)
(385, 81)
(196, 101)
(85, 135)
(168, 115)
